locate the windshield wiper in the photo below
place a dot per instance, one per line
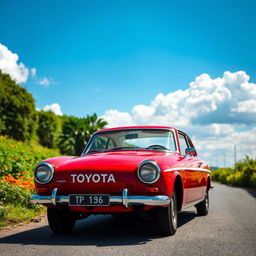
(155, 149)
(122, 148)
(96, 150)
(111, 149)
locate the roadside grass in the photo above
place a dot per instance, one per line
(17, 214)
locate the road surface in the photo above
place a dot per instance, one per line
(229, 229)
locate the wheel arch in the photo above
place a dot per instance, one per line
(178, 185)
(209, 183)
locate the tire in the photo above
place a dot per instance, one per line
(60, 221)
(167, 217)
(203, 207)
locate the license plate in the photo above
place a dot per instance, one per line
(89, 200)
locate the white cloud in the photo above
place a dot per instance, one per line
(9, 65)
(55, 108)
(116, 118)
(44, 81)
(33, 72)
(212, 110)
(206, 101)
(18, 71)
(246, 106)
(220, 149)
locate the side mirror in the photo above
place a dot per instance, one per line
(190, 152)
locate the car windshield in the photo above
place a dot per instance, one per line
(132, 139)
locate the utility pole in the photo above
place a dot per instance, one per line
(224, 160)
(234, 156)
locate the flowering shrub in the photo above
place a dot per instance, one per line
(17, 162)
(243, 175)
(22, 181)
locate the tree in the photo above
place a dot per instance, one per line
(77, 131)
(48, 129)
(93, 124)
(18, 117)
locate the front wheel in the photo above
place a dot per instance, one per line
(203, 207)
(168, 217)
(60, 220)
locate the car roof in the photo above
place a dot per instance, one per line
(137, 127)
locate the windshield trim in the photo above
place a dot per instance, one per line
(85, 151)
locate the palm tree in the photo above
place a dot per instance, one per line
(76, 132)
(93, 124)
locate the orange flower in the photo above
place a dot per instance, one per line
(24, 182)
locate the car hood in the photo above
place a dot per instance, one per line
(115, 161)
(105, 172)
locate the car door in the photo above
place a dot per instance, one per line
(191, 177)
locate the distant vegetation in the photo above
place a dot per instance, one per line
(28, 136)
(243, 175)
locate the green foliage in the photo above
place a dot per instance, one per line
(18, 117)
(3, 211)
(18, 157)
(48, 129)
(15, 195)
(244, 174)
(222, 174)
(77, 131)
(93, 124)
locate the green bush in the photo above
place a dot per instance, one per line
(253, 180)
(15, 195)
(48, 129)
(221, 174)
(244, 174)
(17, 157)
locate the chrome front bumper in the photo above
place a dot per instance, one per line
(124, 200)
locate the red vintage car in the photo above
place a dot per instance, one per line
(142, 169)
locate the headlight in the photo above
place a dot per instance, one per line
(43, 172)
(148, 172)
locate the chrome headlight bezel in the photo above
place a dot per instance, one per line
(154, 166)
(50, 176)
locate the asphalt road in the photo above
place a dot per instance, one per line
(229, 229)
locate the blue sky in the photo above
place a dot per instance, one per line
(109, 54)
(96, 56)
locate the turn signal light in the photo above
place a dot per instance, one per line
(152, 189)
(43, 190)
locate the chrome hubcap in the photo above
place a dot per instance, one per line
(206, 202)
(173, 212)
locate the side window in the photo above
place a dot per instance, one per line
(183, 143)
